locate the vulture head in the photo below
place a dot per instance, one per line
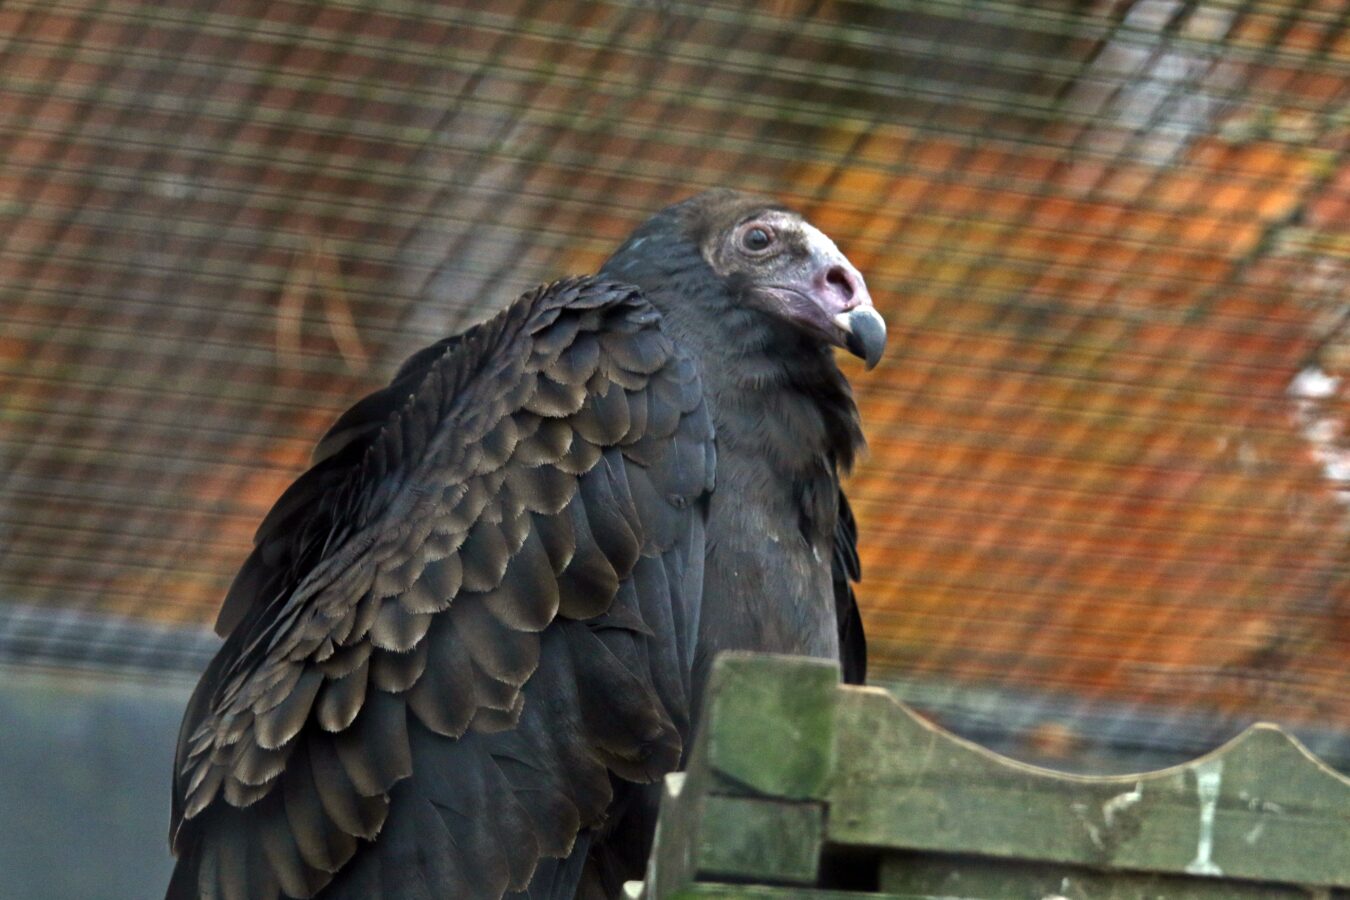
(767, 259)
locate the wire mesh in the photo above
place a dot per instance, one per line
(1109, 463)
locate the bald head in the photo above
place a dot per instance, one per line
(765, 257)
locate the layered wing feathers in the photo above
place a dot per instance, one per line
(477, 604)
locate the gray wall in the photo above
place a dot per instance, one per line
(84, 783)
(85, 760)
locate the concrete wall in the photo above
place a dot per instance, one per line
(84, 783)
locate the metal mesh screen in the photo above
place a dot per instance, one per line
(1109, 487)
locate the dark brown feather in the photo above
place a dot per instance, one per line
(444, 698)
(404, 598)
(500, 442)
(294, 875)
(580, 457)
(438, 583)
(554, 400)
(589, 580)
(539, 489)
(396, 629)
(320, 847)
(279, 725)
(484, 556)
(232, 870)
(374, 750)
(558, 538)
(550, 440)
(256, 766)
(341, 698)
(353, 814)
(501, 649)
(576, 364)
(528, 596)
(395, 672)
(344, 659)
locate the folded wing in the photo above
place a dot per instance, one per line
(476, 608)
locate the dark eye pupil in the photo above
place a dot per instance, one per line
(756, 239)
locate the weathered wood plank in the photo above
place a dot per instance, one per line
(672, 863)
(714, 891)
(769, 725)
(979, 877)
(767, 841)
(788, 763)
(1259, 808)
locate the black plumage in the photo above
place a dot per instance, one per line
(478, 626)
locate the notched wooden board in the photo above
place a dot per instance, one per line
(789, 763)
(1261, 807)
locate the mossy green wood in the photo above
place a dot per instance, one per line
(768, 728)
(1260, 808)
(716, 891)
(921, 874)
(718, 837)
(767, 732)
(773, 841)
(673, 863)
(788, 762)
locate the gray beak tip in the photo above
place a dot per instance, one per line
(865, 334)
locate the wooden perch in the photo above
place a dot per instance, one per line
(799, 787)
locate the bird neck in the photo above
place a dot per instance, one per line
(777, 398)
(786, 426)
(774, 393)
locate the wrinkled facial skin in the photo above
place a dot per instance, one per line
(792, 270)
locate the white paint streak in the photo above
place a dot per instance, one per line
(1093, 832)
(1121, 802)
(1265, 806)
(1208, 780)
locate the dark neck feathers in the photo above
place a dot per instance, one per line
(773, 390)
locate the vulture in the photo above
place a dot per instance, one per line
(474, 633)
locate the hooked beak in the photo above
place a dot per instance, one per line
(865, 334)
(833, 302)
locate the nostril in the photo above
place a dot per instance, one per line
(839, 279)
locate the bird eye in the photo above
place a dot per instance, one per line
(756, 238)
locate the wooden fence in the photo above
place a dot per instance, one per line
(800, 787)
